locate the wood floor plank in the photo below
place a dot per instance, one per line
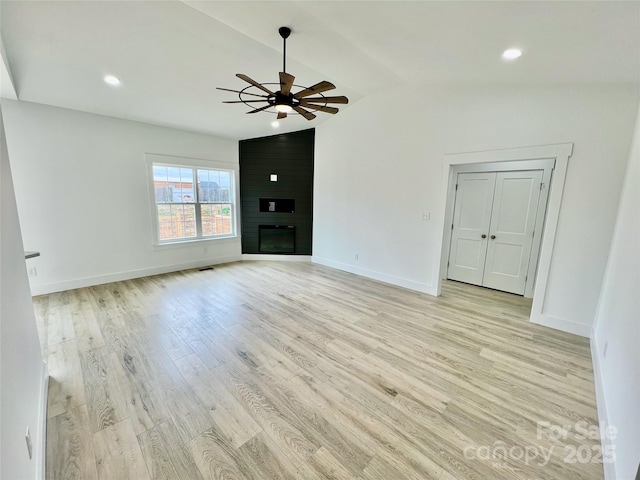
(324, 465)
(155, 455)
(287, 345)
(379, 468)
(188, 413)
(118, 453)
(104, 400)
(210, 351)
(216, 459)
(87, 330)
(141, 407)
(235, 424)
(264, 459)
(70, 447)
(393, 430)
(285, 431)
(60, 326)
(138, 381)
(338, 442)
(66, 384)
(269, 358)
(266, 370)
(165, 455)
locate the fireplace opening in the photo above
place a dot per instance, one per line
(277, 239)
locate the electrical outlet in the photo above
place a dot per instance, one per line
(33, 272)
(29, 444)
(426, 216)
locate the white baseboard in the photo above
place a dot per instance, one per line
(146, 272)
(603, 416)
(128, 275)
(41, 446)
(379, 276)
(277, 258)
(562, 324)
(546, 320)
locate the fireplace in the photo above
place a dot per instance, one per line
(277, 239)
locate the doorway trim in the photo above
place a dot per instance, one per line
(546, 166)
(558, 153)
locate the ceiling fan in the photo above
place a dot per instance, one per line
(283, 100)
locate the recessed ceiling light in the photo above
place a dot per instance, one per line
(511, 53)
(275, 124)
(111, 80)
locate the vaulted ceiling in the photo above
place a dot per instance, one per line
(170, 55)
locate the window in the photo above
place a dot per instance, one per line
(192, 202)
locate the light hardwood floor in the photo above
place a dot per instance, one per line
(268, 370)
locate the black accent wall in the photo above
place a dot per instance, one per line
(290, 157)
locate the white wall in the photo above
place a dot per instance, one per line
(378, 167)
(22, 371)
(83, 199)
(617, 327)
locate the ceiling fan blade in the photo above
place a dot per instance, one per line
(319, 107)
(245, 101)
(286, 82)
(304, 113)
(317, 88)
(254, 83)
(243, 93)
(341, 99)
(281, 115)
(260, 109)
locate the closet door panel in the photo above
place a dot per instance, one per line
(513, 219)
(471, 220)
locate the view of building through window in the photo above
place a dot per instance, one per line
(192, 202)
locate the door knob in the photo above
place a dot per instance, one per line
(493, 237)
(483, 236)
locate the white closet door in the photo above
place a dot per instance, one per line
(513, 220)
(471, 219)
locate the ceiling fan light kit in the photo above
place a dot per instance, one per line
(283, 100)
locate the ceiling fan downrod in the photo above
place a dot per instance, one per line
(284, 33)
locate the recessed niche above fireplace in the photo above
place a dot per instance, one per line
(279, 205)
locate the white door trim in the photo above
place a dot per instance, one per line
(559, 154)
(547, 165)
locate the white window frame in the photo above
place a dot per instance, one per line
(193, 163)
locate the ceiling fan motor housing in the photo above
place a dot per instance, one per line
(280, 99)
